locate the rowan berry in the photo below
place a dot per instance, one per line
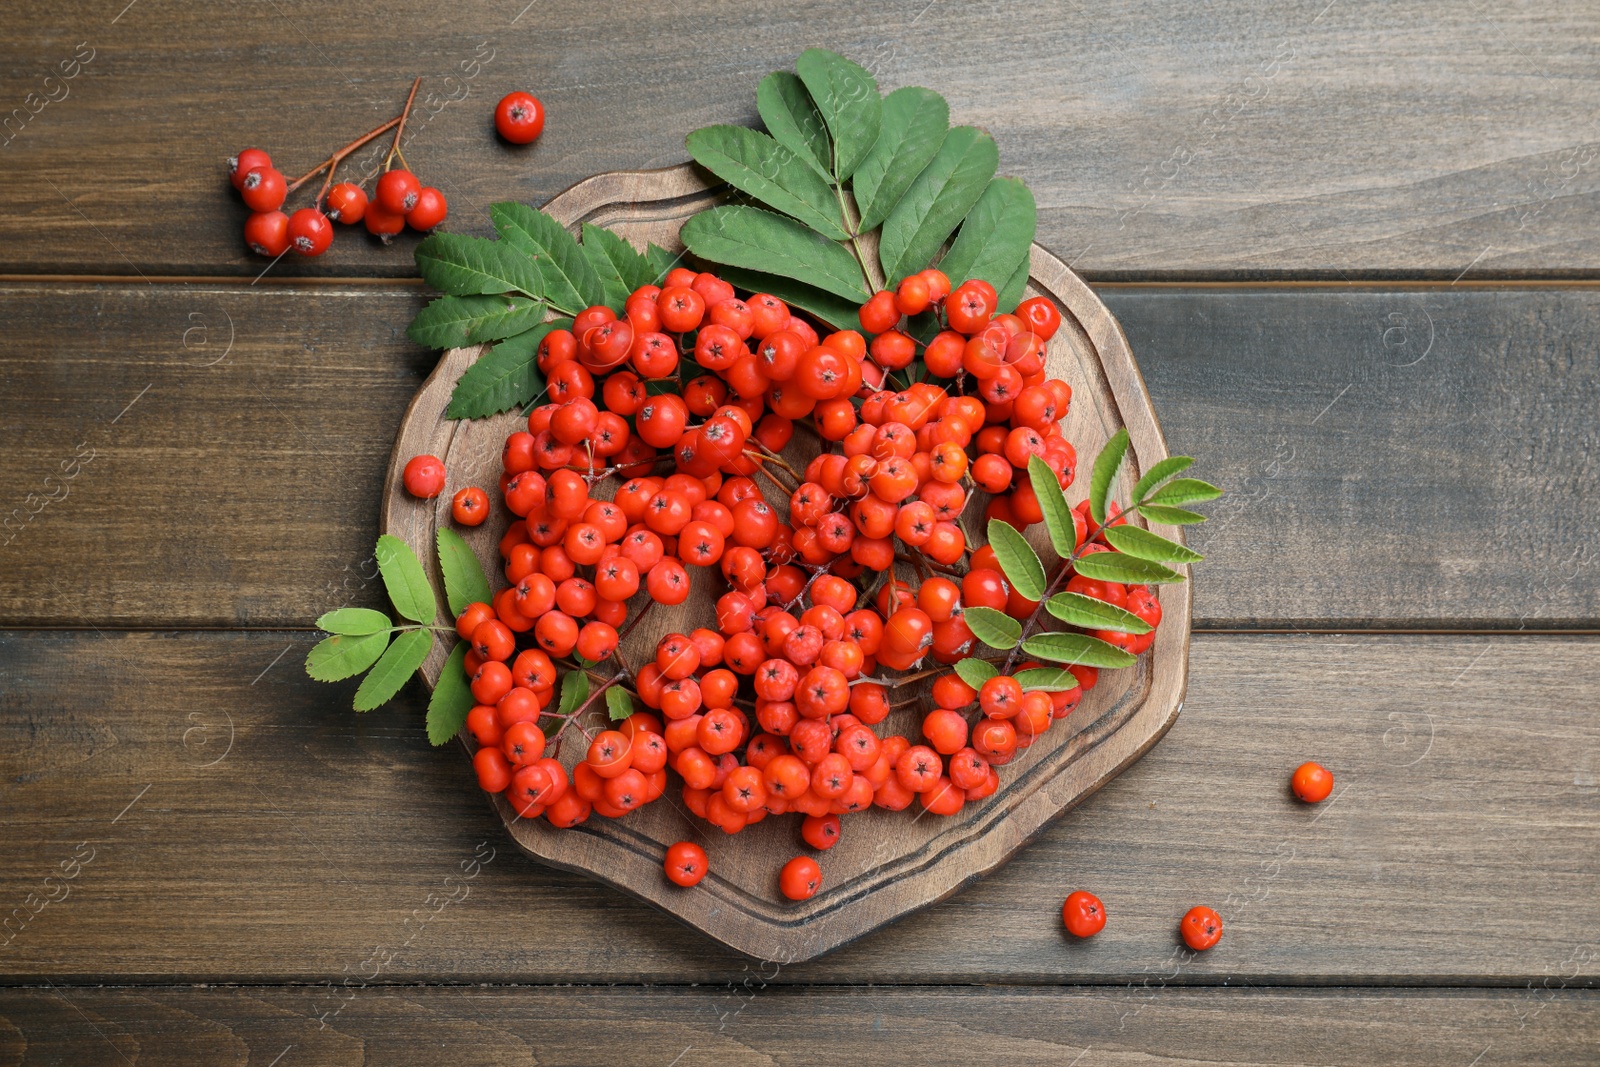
(800, 878)
(310, 232)
(1312, 782)
(264, 189)
(424, 477)
(1083, 914)
(397, 191)
(519, 117)
(430, 210)
(1201, 928)
(470, 506)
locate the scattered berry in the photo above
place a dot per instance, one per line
(267, 233)
(470, 507)
(686, 863)
(424, 477)
(519, 117)
(1201, 928)
(1083, 914)
(800, 879)
(1312, 782)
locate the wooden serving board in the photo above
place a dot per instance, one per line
(886, 864)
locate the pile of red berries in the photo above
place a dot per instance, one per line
(775, 709)
(399, 200)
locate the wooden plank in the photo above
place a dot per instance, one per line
(227, 819)
(1451, 430)
(735, 1024)
(1364, 136)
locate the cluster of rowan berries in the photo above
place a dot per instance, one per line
(773, 711)
(399, 200)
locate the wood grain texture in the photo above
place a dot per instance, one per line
(890, 863)
(247, 826)
(1447, 434)
(1231, 139)
(735, 1024)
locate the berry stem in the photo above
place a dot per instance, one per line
(337, 157)
(400, 129)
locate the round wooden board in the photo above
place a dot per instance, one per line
(887, 864)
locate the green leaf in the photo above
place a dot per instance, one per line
(405, 579)
(1167, 468)
(618, 703)
(619, 266)
(452, 698)
(455, 321)
(1053, 502)
(1105, 472)
(847, 98)
(755, 164)
(1077, 648)
(1047, 680)
(936, 202)
(464, 582)
(1146, 545)
(392, 671)
(1186, 491)
(976, 671)
(505, 376)
(570, 281)
(837, 312)
(345, 655)
(1075, 609)
(661, 262)
(741, 236)
(574, 691)
(792, 119)
(1170, 516)
(1117, 567)
(995, 237)
(994, 628)
(1009, 293)
(354, 622)
(466, 266)
(1018, 561)
(914, 125)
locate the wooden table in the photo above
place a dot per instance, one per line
(1353, 246)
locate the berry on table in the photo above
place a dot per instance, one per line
(686, 863)
(424, 477)
(1083, 914)
(1312, 782)
(470, 506)
(800, 878)
(519, 117)
(267, 233)
(1201, 928)
(430, 209)
(398, 191)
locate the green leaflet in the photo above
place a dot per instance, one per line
(661, 262)
(914, 125)
(574, 691)
(1146, 545)
(936, 202)
(995, 237)
(406, 581)
(570, 281)
(619, 705)
(994, 628)
(1047, 680)
(1170, 516)
(1117, 567)
(354, 622)
(976, 671)
(452, 698)
(1105, 472)
(390, 673)
(345, 656)
(792, 119)
(1168, 467)
(456, 321)
(1186, 491)
(837, 312)
(466, 266)
(1018, 561)
(1009, 293)
(741, 236)
(1075, 609)
(1077, 648)
(505, 376)
(464, 582)
(847, 98)
(620, 268)
(1053, 502)
(759, 166)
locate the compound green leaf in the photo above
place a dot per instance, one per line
(405, 579)
(759, 166)
(1167, 468)
(570, 281)
(936, 202)
(847, 98)
(742, 236)
(505, 376)
(392, 670)
(455, 321)
(792, 119)
(460, 265)
(995, 237)
(914, 125)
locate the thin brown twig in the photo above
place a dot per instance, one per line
(401, 129)
(334, 159)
